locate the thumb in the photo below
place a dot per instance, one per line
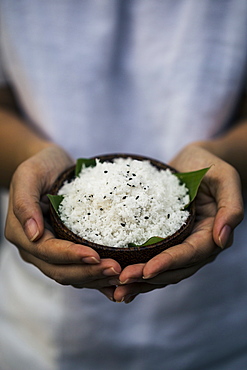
(230, 209)
(30, 182)
(25, 194)
(33, 226)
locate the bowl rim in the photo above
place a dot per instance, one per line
(69, 174)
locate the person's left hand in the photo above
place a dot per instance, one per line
(219, 209)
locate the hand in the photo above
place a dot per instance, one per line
(219, 210)
(62, 261)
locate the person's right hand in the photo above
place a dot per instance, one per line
(60, 260)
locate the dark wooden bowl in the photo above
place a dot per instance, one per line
(125, 256)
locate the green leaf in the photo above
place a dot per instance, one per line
(192, 180)
(55, 200)
(153, 240)
(83, 162)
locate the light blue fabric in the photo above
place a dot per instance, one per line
(121, 67)
(133, 76)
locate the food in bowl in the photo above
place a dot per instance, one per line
(124, 200)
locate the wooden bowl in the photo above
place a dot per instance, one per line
(125, 256)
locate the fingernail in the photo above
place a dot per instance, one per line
(120, 301)
(129, 281)
(149, 276)
(90, 260)
(110, 271)
(31, 229)
(224, 236)
(124, 282)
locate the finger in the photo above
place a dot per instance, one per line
(77, 275)
(48, 248)
(48, 251)
(195, 249)
(130, 298)
(175, 276)
(108, 292)
(126, 293)
(131, 274)
(57, 251)
(172, 258)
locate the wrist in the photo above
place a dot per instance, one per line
(231, 148)
(214, 146)
(33, 147)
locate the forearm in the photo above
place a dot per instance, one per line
(232, 148)
(18, 143)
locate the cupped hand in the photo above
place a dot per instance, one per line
(60, 260)
(219, 209)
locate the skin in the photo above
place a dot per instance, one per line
(32, 167)
(219, 210)
(29, 171)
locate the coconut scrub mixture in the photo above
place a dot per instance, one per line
(124, 201)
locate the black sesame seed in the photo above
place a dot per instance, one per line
(124, 197)
(133, 174)
(137, 197)
(122, 224)
(168, 216)
(146, 217)
(130, 178)
(104, 197)
(105, 171)
(89, 213)
(101, 209)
